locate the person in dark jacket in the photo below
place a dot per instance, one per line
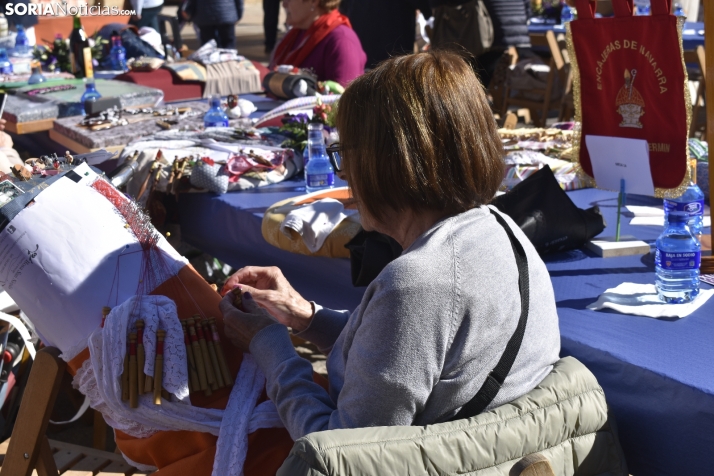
(216, 20)
(271, 15)
(385, 27)
(510, 28)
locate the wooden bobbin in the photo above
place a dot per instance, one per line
(159, 366)
(125, 377)
(198, 356)
(105, 312)
(212, 352)
(133, 376)
(225, 371)
(210, 375)
(193, 382)
(140, 355)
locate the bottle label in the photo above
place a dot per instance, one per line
(216, 123)
(693, 209)
(7, 69)
(321, 180)
(678, 261)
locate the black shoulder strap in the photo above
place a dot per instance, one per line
(495, 379)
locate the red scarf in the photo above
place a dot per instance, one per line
(298, 44)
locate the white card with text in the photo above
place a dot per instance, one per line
(616, 158)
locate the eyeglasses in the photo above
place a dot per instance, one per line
(333, 152)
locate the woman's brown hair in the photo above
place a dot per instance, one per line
(329, 5)
(417, 133)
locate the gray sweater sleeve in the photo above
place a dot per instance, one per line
(387, 379)
(325, 328)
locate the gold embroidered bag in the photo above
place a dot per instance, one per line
(630, 81)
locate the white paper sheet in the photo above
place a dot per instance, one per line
(68, 255)
(654, 216)
(616, 158)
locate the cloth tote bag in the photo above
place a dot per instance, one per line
(467, 25)
(630, 81)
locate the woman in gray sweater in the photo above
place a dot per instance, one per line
(422, 157)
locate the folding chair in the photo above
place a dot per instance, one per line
(550, 99)
(698, 57)
(29, 449)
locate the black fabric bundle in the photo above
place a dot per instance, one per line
(538, 205)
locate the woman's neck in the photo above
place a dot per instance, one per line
(406, 227)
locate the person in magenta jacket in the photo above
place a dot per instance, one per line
(321, 39)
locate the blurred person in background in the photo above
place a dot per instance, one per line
(385, 27)
(147, 13)
(321, 39)
(510, 28)
(216, 20)
(271, 16)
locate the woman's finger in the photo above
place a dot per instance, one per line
(226, 305)
(249, 304)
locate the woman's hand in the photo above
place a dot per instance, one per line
(2, 124)
(242, 325)
(271, 290)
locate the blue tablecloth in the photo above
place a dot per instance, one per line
(692, 34)
(658, 375)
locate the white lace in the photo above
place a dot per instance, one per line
(100, 376)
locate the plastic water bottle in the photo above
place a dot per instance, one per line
(677, 261)
(5, 65)
(90, 93)
(215, 117)
(36, 77)
(117, 54)
(4, 30)
(319, 174)
(642, 7)
(566, 14)
(22, 43)
(691, 203)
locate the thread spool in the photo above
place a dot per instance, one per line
(159, 366)
(133, 378)
(210, 376)
(105, 312)
(198, 356)
(193, 383)
(125, 377)
(212, 352)
(225, 371)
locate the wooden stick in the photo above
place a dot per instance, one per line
(179, 174)
(225, 371)
(210, 375)
(148, 384)
(125, 378)
(133, 379)
(193, 383)
(140, 355)
(159, 366)
(212, 352)
(198, 356)
(145, 183)
(105, 312)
